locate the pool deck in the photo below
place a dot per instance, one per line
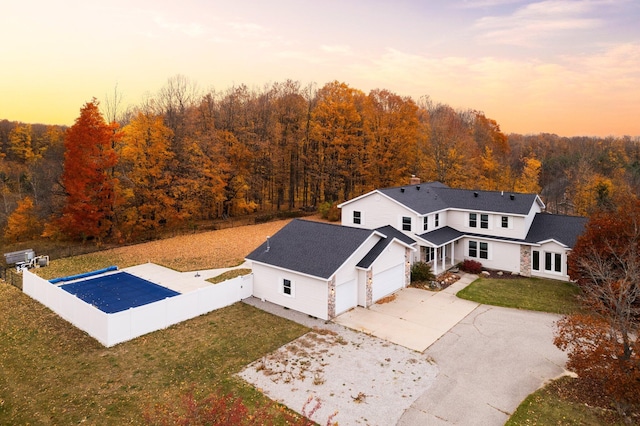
(182, 282)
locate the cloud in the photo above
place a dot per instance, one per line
(337, 49)
(190, 29)
(528, 24)
(582, 92)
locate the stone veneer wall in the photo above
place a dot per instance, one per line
(331, 305)
(525, 261)
(369, 288)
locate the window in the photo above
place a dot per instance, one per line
(473, 220)
(557, 262)
(287, 287)
(505, 221)
(547, 261)
(357, 218)
(437, 221)
(406, 223)
(473, 249)
(484, 250)
(553, 262)
(425, 223)
(429, 254)
(484, 221)
(536, 260)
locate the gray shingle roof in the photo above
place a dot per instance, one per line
(312, 248)
(442, 235)
(433, 196)
(390, 233)
(564, 229)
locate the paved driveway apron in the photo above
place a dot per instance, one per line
(489, 358)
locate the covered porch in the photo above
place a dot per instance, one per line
(439, 249)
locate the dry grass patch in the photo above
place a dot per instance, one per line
(208, 250)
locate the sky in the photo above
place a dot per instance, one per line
(549, 66)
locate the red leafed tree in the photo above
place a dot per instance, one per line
(88, 177)
(602, 342)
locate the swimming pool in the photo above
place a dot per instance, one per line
(117, 292)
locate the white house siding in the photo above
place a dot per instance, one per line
(378, 210)
(459, 219)
(310, 295)
(553, 248)
(503, 256)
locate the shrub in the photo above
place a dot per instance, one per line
(471, 266)
(323, 208)
(421, 271)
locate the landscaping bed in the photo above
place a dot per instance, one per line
(441, 282)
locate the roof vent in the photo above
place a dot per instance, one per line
(268, 245)
(475, 194)
(418, 187)
(512, 197)
(401, 189)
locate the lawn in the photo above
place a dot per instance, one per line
(535, 294)
(53, 373)
(555, 405)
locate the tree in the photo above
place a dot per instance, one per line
(91, 189)
(527, 182)
(22, 224)
(602, 343)
(144, 159)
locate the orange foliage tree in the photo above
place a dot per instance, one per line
(602, 342)
(22, 224)
(88, 176)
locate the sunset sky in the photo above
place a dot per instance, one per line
(565, 67)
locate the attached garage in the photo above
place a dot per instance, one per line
(388, 281)
(346, 296)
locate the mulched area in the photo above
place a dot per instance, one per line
(441, 282)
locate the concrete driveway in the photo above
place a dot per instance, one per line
(416, 318)
(488, 364)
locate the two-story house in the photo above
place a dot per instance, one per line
(502, 230)
(323, 269)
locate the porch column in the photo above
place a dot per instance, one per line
(453, 253)
(444, 263)
(435, 261)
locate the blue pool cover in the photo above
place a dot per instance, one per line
(118, 292)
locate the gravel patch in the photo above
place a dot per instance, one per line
(333, 373)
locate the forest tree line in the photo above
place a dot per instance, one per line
(185, 156)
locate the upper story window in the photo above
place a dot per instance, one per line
(484, 221)
(473, 220)
(505, 221)
(425, 223)
(437, 220)
(406, 223)
(357, 217)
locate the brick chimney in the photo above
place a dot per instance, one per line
(414, 180)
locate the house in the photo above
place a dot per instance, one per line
(502, 230)
(323, 269)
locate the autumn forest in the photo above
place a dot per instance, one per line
(186, 156)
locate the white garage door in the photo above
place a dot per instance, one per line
(346, 296)
(386, 282)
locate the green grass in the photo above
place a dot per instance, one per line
(55, 374)
(535, 294)
(549, 406)
(229, 275)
